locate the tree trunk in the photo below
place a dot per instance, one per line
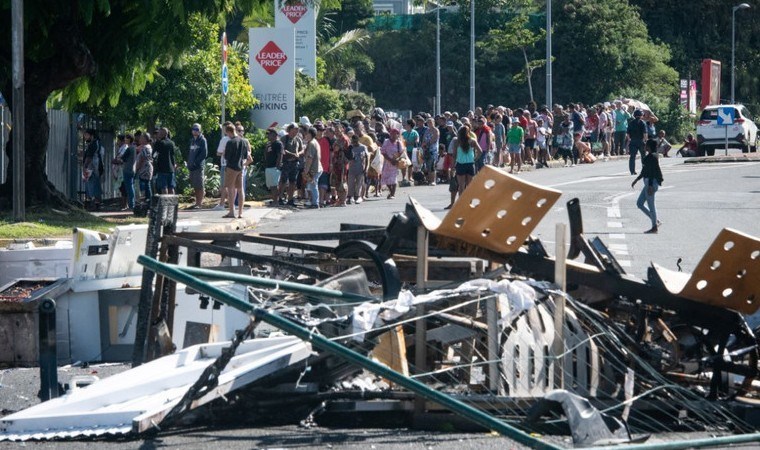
(528, 73)
(72, 60)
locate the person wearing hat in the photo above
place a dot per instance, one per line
(636, 135)
(196, 159)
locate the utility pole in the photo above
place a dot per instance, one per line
(17, 42)
(472, 55)
(549, 100)
(438, 60)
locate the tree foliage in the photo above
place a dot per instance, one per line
(602, 47)
(190, 90)
(94, 50)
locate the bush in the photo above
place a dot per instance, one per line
(356, 100)
(212, 183)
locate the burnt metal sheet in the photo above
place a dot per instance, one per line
(496, 212)
(726, 276)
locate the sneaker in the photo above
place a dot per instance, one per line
(433, 183)
(358, 200)
(218, 208)
(651, 231)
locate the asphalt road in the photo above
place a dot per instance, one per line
(694, 204)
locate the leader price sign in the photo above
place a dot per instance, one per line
(302, 18)
(272, 74)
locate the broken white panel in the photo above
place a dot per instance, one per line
(136, 400)
(28, 261)
(195, 325)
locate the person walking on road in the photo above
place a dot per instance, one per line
(652, 175)
(637, 135)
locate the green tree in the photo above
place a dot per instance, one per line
(93, 50)
(602, 47)
(189, 91)
(518, 35)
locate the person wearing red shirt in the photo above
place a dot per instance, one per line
(324, 160)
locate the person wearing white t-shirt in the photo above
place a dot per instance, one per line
(542, 136)
(223, 164)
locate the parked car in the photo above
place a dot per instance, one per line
(742, 134)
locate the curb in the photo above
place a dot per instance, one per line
(723, 159)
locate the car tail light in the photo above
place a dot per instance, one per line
(739, 120)
(703, 122)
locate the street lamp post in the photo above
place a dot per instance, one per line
(733, 47)
(438, 60)
(472, 55)
(549, 99)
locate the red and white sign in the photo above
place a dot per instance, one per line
(224, 48)
(295, 11)
(271, 57)
(272, 72)
(301, 17)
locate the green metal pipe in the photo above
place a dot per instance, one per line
(718, 442)
(462, 409)
(276, 284)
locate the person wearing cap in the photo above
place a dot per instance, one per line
(636, 135)
(196, 159)
(272, 164)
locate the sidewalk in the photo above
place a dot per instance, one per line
(212, 220)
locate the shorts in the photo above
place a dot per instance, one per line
(465, 169)
(324, 181)
(197, 179)
(165, 180)
(272, 176)
(530, 143)
(428, 164)
(233, 179)
(514, 148)
(542, 145)
(289, 172)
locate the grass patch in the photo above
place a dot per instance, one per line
(51, 223)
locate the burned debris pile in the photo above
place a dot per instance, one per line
(468, 315)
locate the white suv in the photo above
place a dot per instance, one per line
(742, 134)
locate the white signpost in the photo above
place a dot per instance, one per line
(726, 119)
(302, 18)
(272, 65)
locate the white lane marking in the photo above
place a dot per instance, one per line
(614, 224)
(617, 236)
(620, 252)
(624, 263)
(613, 212)
(618, 247)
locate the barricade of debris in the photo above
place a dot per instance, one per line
(467, 314)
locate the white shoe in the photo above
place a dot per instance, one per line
(219, 208)
(358, 200)
(433, 183)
